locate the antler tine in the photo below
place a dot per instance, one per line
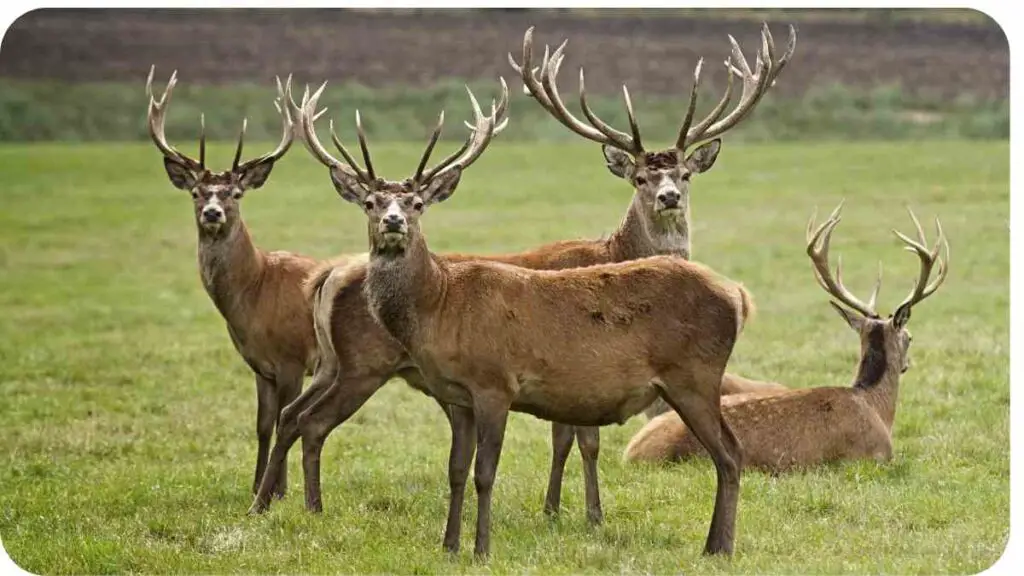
(156, 117)
(817, 249)
(784, 59)
(922, 288)
(756, 83)
(309, 104)
(364, 148)
(878, 286)
(202, 140)
(691, 108)
(287, 137)
(430, 147)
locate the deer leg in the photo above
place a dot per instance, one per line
(491, 415)
(697, 401)
(459, 458)
(288, 388)
(266, 414)
(288, 433)
(561, 445)
(332, 409)
(589, 440)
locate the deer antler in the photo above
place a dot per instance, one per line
(309, 115)
(482, 131)
(922, 289)
(287, 132)
(755, 83)
(545, 90)
(157, 116)
(818, 241)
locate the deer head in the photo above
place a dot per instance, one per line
(393, 208)
(889, 333)
(660, 179)
(215, 195)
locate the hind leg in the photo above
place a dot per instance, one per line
(561, 445)
(696, 398)
(332, 409)
(288, 387)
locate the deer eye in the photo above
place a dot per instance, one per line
(236, 195)
(417, 205)
(686, 177)
(640, 180)
(368, 204)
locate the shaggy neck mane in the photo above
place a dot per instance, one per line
(401, 282)
(230, 266)
(877, 377)
(641, 234)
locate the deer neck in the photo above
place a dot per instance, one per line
(231, 268)
(878, 377)
(643, 234)
(403, 284)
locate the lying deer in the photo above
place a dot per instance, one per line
(585, 346)
(258, 293)
(801, 428)
(657, 222)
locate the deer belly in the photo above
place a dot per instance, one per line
(581, 406)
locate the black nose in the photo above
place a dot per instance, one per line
(669, 199)
(393, 223)
(211, 214)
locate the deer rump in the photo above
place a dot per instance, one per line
(585, 347)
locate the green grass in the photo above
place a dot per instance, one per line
(127, 420)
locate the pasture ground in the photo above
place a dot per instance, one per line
(127, 420)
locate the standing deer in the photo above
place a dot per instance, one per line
(586, 346)
(658, 221)
(800, 428)
(339, 298)
(258, 293)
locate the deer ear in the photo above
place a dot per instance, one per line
(348, 186)
(256, 175)
(442, 186)
(182, 177)
(901, 317)
(619, 163)
(853, 319)
(703, 158)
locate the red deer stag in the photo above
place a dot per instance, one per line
(800, 428)
(258, 293)
(586, 346)
(658, 221)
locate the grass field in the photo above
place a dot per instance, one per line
(127, 420)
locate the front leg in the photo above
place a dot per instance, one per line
(491, 414)
(459, 458)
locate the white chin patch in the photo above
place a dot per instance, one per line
(212, 225)
(670, 213)
(394, 237)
